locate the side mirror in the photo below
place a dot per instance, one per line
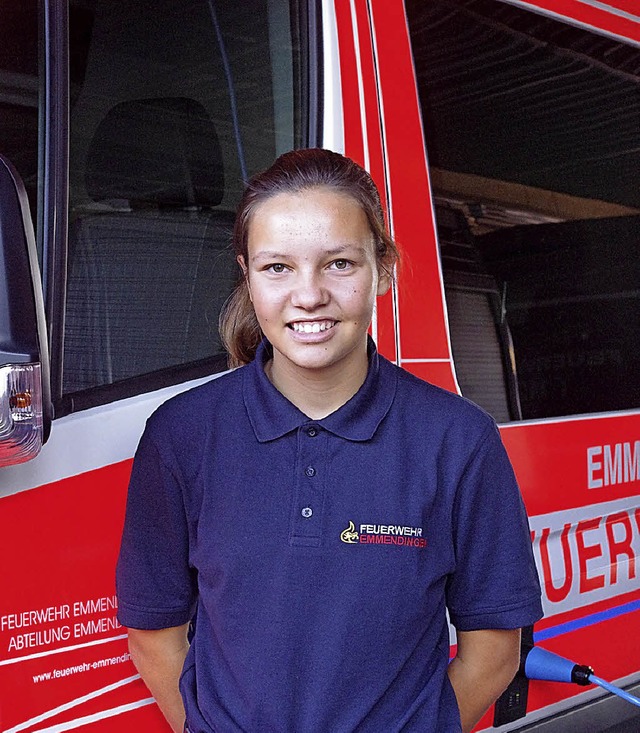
(25, 404)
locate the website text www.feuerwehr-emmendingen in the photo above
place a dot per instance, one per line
(57, 673)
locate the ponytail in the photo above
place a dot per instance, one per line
(239, 329)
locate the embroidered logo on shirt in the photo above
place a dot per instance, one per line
(383, 534)
(349, 535)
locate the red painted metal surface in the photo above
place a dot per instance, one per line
(623, 18)
(421, 315)
(62, 647)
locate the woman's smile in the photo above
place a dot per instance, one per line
(307, 327)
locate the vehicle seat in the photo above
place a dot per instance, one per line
(150, 263)
(481, 340)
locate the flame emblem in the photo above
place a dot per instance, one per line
(349, 535)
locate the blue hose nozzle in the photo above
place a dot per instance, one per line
(543, 665)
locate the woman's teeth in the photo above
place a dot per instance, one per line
(314, 327)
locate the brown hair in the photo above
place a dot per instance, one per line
(293, 172)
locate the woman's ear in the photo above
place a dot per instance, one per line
(384, 279)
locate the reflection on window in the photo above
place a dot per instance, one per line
(19, 91)
(533, 143)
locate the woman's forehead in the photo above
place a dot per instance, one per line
(321, 196)
(314, 214)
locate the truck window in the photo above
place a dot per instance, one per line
(173, 105)
(532, 137)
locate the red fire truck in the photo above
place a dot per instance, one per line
(505, 139)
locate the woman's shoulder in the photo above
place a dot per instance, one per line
(430, 403)
(220, 397)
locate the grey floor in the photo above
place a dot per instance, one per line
(630, 726)
(608, 714)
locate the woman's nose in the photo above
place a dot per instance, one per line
(309, 291)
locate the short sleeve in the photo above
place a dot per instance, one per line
(495, 583)
(154, 582)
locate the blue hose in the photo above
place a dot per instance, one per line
(616, 690)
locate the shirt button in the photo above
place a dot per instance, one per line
(310, 471)
(312, 432)
(307, 512)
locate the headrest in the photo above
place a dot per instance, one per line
(156, 151)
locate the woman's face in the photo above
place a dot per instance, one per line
(313, 279)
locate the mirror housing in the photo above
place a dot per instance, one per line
(25, 402)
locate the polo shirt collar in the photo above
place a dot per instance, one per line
(272, 415)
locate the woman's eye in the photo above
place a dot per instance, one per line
(277, 267)
(341, 264)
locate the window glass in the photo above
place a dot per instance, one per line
(533, 142)
(19, 91)
(173, 104)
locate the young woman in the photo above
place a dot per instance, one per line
(320, 509)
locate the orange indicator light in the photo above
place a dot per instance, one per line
(20, 400)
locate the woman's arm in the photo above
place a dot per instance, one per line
(486, 662)
(159, 657)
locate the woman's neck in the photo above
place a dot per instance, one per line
(317, 393)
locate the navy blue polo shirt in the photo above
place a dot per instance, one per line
(321, 555)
